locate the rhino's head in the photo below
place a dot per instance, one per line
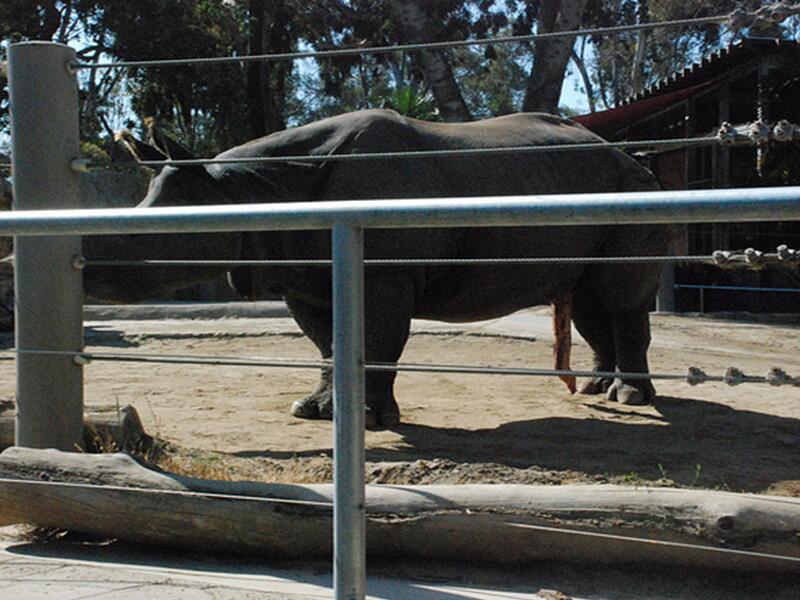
(173, 186)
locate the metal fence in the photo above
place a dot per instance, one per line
(49, 336)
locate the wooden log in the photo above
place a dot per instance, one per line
(512, 524)
(102, 431)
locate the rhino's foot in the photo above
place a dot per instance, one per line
(384, 418)
(633, 395)
(316, 406)
(596, 385)
(320, 406)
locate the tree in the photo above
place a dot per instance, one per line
(623, 64)
(211, 108)
(551, 55)
(412, 24)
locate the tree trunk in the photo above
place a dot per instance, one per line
(274, 74)
(51, 21)
(551, 55)
(412, 23)
(637, 68)
(587, 81)
(267, 34)
(512, 524)
(255, 96)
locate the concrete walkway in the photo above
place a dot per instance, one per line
(77, 571)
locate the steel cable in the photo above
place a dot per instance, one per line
(413, 154)
(754, 134)
(736, 20)
(695, 376)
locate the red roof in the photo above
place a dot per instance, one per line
(682, 84)
(606, 122)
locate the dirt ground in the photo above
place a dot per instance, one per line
(234, 422)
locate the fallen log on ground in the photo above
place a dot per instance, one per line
(114, 496)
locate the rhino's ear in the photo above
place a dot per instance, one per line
(137, 148)
(173, 149)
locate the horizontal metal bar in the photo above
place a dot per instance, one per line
(734, 288)
(677, 206)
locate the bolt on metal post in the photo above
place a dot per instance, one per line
(49, 292)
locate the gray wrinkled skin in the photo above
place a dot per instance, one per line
(611, 302)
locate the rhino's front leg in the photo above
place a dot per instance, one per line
(388, 305)
(316, 323)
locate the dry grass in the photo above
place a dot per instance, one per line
(217, 466)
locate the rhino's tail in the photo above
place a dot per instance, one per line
(562, 330)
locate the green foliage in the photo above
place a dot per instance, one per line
(200, 105)
(94, 153)
(411, 102)
(619, 71)
(492, 79)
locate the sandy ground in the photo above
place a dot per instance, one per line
(235, 421)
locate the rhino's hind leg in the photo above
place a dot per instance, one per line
(611, 313)
(595, 327)
(632, 339)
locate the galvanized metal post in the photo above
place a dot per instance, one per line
(665, 299)
(49, 290)
(349, 536)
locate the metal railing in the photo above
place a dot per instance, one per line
(49, 281)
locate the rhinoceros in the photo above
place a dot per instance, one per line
(610, 301)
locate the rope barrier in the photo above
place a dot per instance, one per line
(726, 259)
(694, 375)
(735, 20)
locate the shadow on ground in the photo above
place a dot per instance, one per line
(415, 579)
(692, 442)
(95, 336)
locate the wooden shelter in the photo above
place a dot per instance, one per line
(751, 79)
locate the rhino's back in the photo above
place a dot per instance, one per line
(381, 131)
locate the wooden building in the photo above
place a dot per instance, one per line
(754, 78)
